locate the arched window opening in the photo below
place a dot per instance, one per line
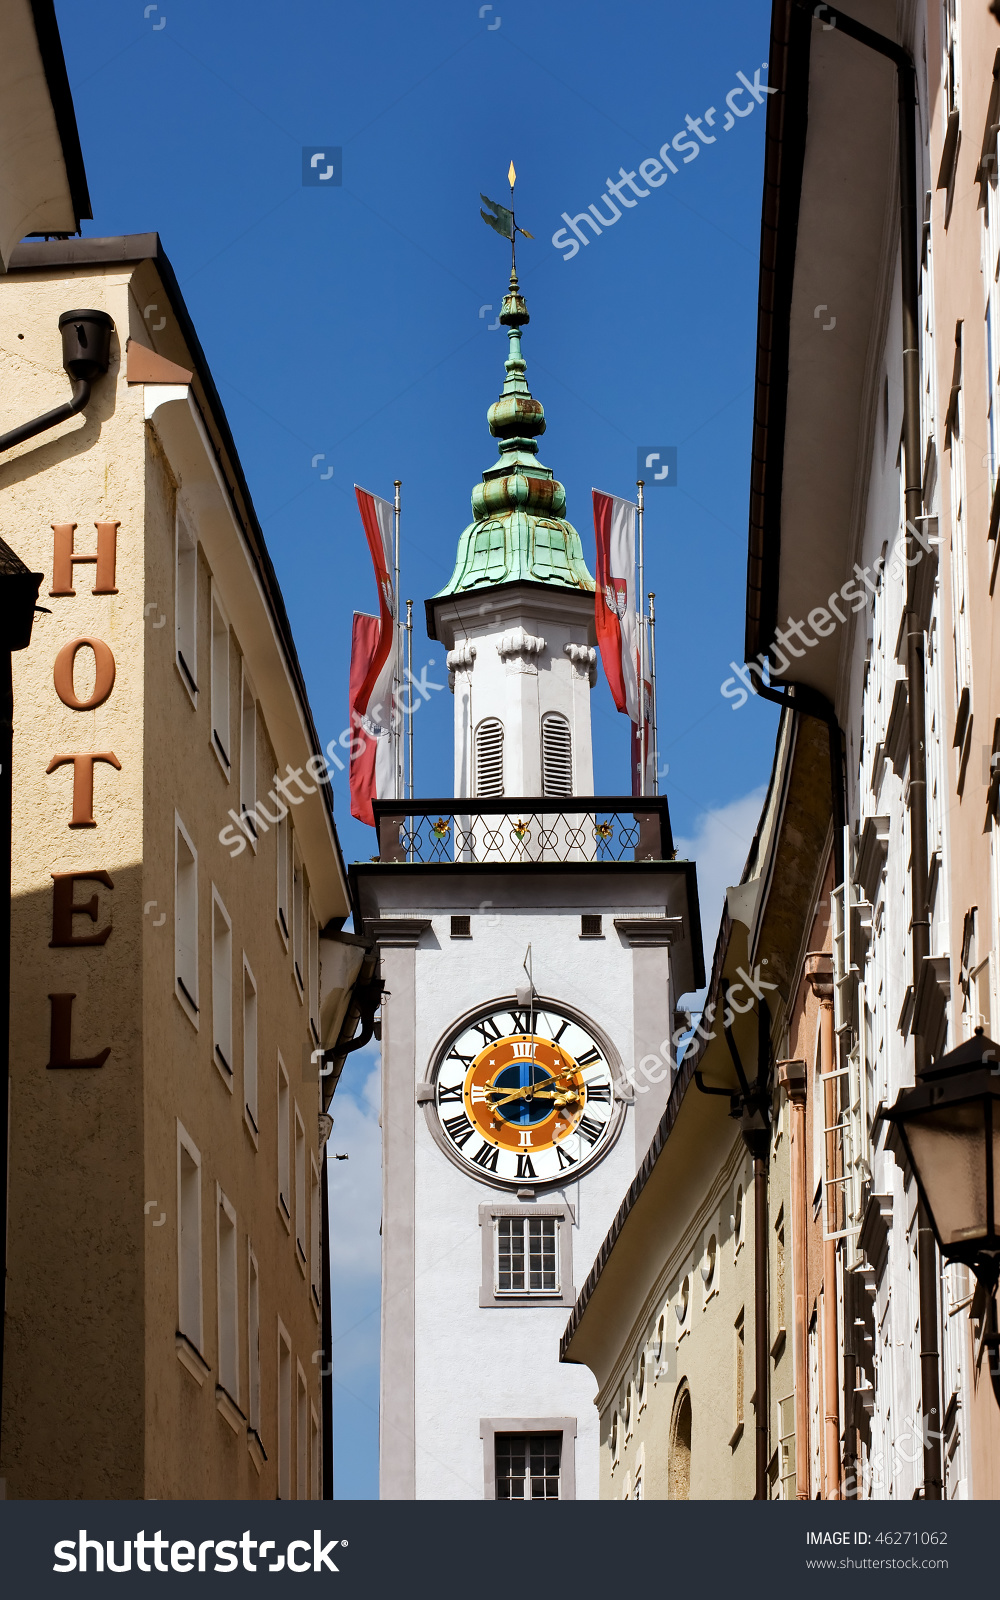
(679, 1454)
(489, 759)
(557, 755)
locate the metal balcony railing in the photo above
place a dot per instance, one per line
(577, 828)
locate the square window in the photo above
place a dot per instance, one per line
(528, 1466)
(591, 927)
(461, 927)
(527, 1255)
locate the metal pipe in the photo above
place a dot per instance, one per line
(761, 1352)
(793, 1076)
(831, 1369)
(399, 787)
(327, 1388)
(642, 647)
(652, 690)
(86, 341)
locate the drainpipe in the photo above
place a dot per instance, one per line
(927, 1262)
(86, 340)
(792, 1077)
(819, 976)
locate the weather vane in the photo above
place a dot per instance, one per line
(502, 220)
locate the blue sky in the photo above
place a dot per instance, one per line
(346, 321)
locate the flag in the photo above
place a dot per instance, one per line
(374, 670)
(614, 601)
(372, 749)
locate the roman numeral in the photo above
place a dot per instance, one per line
(459, 1129)
(520, 1021)
(600, 1093)
(456, 1055)
(487, 1156)
(524, 1167)
(562, 1030)
(452, 1092)
(565, 1159)
(589, 1129)
(478, 1094)
(524, 1138)
(489, 1030)
(592, 1055)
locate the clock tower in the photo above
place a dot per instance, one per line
(534, 940)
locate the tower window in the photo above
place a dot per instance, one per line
(461, 927)
(489, 759)
(527, 1259)
(528, 1466)
(557, 755)
(591, 927)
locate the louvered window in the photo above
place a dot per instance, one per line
(557, 755)
(489, 758)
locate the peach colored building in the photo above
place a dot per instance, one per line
(177, 959)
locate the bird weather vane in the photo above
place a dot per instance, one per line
(502, 220)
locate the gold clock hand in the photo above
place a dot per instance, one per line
(529, 1090)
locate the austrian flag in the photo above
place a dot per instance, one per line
(615, 613)
(374, 670)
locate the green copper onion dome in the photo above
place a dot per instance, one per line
(519, 532)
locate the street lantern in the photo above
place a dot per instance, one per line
(949, 1127)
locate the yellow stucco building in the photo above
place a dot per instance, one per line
(175, 965)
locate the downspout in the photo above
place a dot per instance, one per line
(820, 979)
(792, 1077)
(927, 1263)
(327, 1369)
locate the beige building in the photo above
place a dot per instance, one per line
(690, 1319)
(175, 965)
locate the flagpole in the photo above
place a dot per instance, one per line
(409, 679)
(642, 650)
(397, 485)
(652, 690)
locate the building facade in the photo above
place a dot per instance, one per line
(177, 962)
(534, 942)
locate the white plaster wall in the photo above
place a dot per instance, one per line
(474, 1362)
(520, 688)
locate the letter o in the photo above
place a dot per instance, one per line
(104, 679)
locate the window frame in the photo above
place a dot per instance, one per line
(489, 1215)
(251, 1112)
(187, 999)
(478, 792)
(283, 1403)
(301, 1233)
(253, 1340)
(221, 696)
(489, 1427)
(192, 1330)
(222, 990)
(227, 1297)
(282, 914)
(248, 755)
(301, 1433)
(284, 1095)
(186, 606)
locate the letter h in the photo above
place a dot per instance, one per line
(571, 222)
(64, 556)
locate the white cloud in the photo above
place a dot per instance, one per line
(720, 845)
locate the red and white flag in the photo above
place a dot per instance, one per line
(614, 602)
(374, 669)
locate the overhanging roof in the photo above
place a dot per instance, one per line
(43, 185)
(828, 228)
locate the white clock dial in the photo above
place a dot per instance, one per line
(525, 1096)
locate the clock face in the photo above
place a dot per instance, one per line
(525, 1096)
